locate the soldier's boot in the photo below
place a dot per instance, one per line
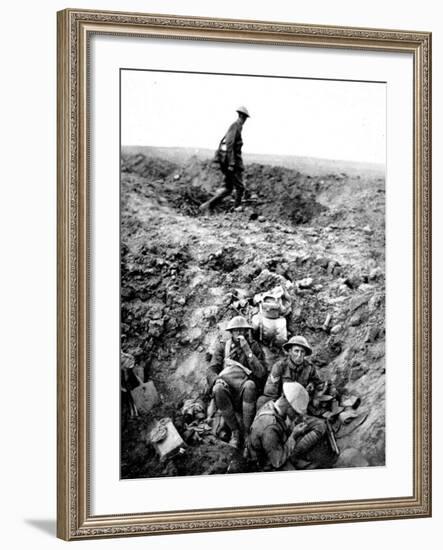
(238, 197)
(235, 439)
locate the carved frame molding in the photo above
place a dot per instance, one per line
(74, 30)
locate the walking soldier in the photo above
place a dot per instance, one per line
(230, 160)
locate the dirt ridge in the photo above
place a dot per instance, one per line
(185, 275)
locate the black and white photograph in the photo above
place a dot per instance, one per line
(252, 273)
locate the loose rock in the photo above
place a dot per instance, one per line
(305, 283)
(336, 329)
(355, 320)
(375, 274)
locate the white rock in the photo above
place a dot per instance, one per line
(305, 283)
(375, 273)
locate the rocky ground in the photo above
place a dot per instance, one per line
(184, 275)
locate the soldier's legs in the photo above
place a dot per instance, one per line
(249, 404)
(233, 180)
(237, 182)
(219, 195)
(223, 400)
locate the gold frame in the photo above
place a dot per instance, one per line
(74, 519)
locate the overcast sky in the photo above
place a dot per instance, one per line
(327, 119)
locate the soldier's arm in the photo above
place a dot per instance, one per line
(273, 383)
(230, 139)
(216, 364)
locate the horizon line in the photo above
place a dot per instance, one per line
(379, 165)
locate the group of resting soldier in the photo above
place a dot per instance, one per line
(263, 399)
(266, 411)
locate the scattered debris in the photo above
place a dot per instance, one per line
(351, 401)
(166, 439)
(355, 320)
(376, 273)
(335, 410)
(354, 422)
(372, 334)
(145, 397)
(193, 409)
(196, 431)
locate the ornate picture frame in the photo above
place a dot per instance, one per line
(75, 518)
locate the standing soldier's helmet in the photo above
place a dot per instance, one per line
(242, 109)
(238, 322)
(296, 396)
(298, 341)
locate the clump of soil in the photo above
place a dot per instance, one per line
(184, 275)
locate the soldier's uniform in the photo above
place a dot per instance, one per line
(268, 442)
(233, 167)
(286, 371)
(229, 350)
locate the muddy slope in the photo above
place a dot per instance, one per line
(184, 275)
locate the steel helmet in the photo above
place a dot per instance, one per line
(296, 396)
(298, 341)
(238, 322)
(242, 109)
